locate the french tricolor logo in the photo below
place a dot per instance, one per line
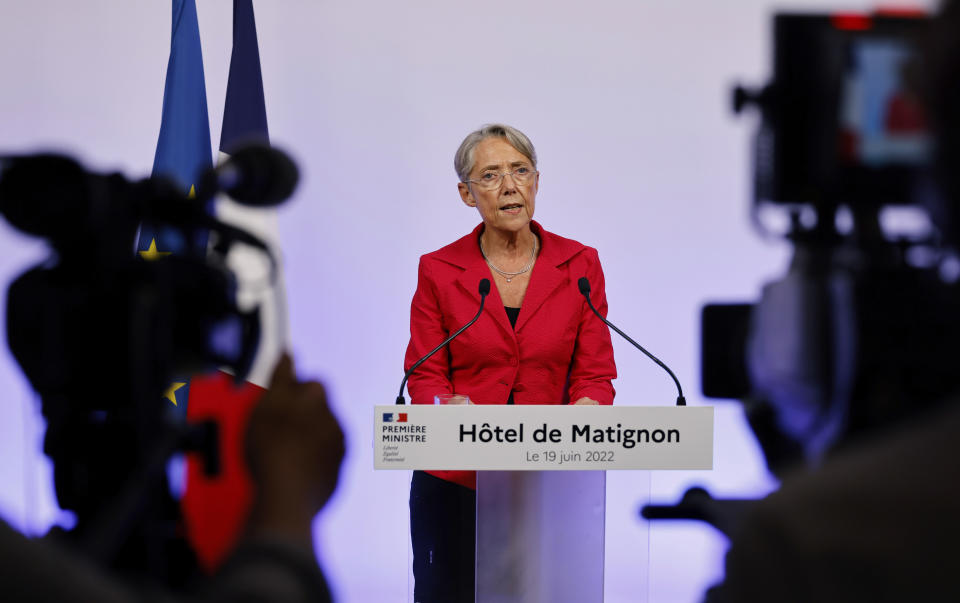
(388, 417)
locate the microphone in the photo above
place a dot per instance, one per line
(484, 290)
(255, 175)
(584, 286)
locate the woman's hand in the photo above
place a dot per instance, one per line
(585, 401)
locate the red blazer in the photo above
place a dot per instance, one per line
(559, 351)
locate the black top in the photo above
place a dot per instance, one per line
(512, 314)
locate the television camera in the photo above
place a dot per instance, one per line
(100, 332)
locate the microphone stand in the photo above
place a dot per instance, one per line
(484, 290)
(584, 286)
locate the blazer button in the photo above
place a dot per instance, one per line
(514, 361)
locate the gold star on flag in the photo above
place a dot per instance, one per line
(193, 193)
(151, 253)
(171, 393)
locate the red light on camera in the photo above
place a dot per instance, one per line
(851, 22)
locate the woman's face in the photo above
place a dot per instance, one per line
(508, 207)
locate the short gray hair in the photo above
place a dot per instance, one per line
(463, 160)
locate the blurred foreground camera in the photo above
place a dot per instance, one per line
(100, 332)
(861, 318)
(860, 333)
(842, 120)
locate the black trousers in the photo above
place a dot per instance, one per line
(443, 526)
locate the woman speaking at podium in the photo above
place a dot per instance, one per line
(537, 342)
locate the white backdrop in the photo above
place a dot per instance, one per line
(628, 105)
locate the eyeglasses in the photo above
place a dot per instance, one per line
(490, 179)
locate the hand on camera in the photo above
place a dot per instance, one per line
(294, 448)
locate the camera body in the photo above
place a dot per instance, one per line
(859, 332)
(101, 331)
(842, 122)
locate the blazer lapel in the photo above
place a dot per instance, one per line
(546, 277)
(543, 282)
(475, 269)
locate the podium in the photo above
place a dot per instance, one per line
(540, 536)
(541, 482)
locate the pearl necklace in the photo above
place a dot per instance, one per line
(510, 275)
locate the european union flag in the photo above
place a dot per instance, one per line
(183, 147)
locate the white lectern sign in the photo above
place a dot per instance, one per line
(542, 437)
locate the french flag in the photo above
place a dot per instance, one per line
(215, 509)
